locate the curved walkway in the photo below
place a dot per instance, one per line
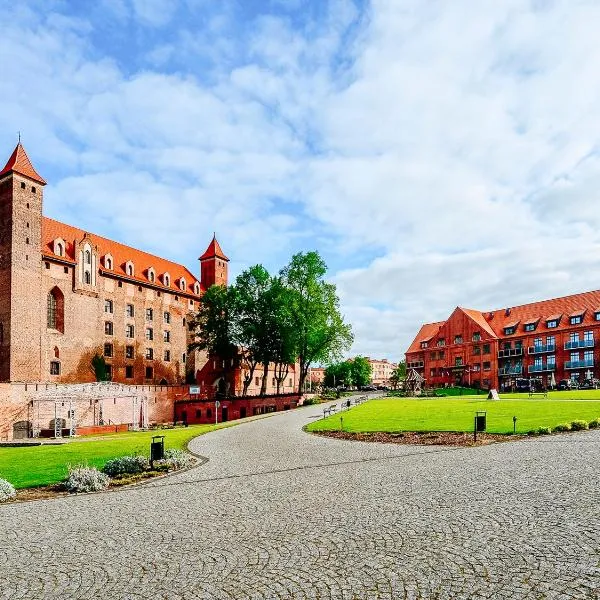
(277, 513)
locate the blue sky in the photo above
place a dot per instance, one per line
(436, 154)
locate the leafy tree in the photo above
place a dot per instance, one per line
(321, 335)
(361, 371)
(214, 327)
(398, 374)
(284, 348)
(339, 373)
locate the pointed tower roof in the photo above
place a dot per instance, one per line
(213, 250)
(19, 163)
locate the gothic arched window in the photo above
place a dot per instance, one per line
(88, 257)
(56, 310)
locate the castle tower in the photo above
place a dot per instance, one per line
(21, 196)
(213, 265)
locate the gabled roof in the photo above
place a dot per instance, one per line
(120, 253)
(426, 332)
(214, 251)
(478, 317)
(19, 163)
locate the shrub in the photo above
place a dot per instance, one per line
(594, 423)
(544, 431)
(579, 425)
(174, 460)
(85, 479)
(126, 465)
(309, 401)
(7, 490)
(562, 427)
(532, 432)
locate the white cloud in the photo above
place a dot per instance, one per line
(455, 142)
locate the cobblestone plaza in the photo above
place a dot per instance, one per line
(277, 513)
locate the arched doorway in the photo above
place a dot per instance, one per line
(21, 430)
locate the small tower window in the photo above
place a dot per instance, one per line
(129, 269)
(87, 277)
(88, 257)
(167, 279)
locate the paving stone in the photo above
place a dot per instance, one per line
(279, 514)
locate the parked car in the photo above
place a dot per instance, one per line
(567, 384)
(368, 388)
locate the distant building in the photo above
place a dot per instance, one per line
(543, 341)
(381, 370)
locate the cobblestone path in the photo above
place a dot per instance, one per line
(277, 513)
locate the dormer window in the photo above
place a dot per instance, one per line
(423, 344)
(551, 324)
(129, 269)
(166, 279)
(59, 247)
(151, 275)
(182, 284)
(108, 262)
(509, 330)
(197, 288)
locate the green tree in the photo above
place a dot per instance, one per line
(398, 374)
(214, 327)
(257, 322)
(321, 335)
(361, 371)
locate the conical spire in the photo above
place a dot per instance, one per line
(214, 250)
(19, 163)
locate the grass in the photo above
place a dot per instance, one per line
(456, 414)
(34, 466)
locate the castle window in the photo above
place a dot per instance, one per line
(129, 372)
(167, 356)
(108, 350)
(27, 240)
(183, 357)
(33, 189)
(120, 284)
(55, 310)
(87, 277)
(129, 311)
(166, 336)
(22, 185)
(182, 284)
(88, 257)
(129, 351)
(59, 248)
(149, 314)
(108, 262)
(151, 275)
(54, 367)
(108, 306)
(47, 265)
(129, 331)
(108, 372)
(56, 352)
(184, 321)
(149, 333)
(197, 288)
(167, 317)
(66, 269)
(167, 279)
(129, 269)
(108, 328)
(149, 353)
(149, 372)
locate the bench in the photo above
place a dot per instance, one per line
(544, 394)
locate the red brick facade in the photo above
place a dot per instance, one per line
(543, 341)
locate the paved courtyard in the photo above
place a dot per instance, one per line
(277, 513)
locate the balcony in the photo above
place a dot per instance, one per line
(541, 368)
(579, 364)
(417, 364)
(510, 352)
(579, 344)
(539, 349)
(511, 370)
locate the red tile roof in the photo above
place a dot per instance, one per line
(547, 310)
(19, 163)
(121, 254)
(213, 250)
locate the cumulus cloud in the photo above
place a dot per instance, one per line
(438, 154)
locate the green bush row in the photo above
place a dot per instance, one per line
(577, 425)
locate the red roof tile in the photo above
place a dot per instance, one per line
(214, 250)
(19, 163)
(426, 332)
(51, 230)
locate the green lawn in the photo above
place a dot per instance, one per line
(44, 465)
(456, 414)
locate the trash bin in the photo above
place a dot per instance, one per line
(157, 448)
(480, 420)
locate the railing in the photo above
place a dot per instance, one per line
(539, 349)
(579, 364)
(579, 344)
(510, 352)
(542, 367)
(418, 364)
(511, 370)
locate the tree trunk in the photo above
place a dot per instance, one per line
(302, 378)
(263, 387)
(248, 378)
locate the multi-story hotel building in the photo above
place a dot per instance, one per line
(543, 341)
